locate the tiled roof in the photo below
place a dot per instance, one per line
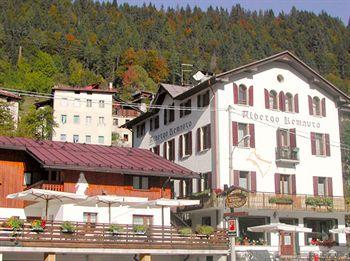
(87, 157)
(89, 88)
(9, 95)
(175, 90)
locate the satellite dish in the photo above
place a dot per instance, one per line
(198, 76)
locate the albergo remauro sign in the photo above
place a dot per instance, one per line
(287, 120)
(170, 132)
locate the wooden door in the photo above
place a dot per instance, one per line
(287, 244)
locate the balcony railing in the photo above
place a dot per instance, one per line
(98, 235)
(287, 154)
(48, 185)
(265, 200)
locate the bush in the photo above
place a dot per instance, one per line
(114, 228)
(185, 231)
(67, 227)
(205, 230)
(281, 200)
(319, 202)
(14, 223)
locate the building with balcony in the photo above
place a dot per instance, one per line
(270, 127)
(136, 176)
(83, 114)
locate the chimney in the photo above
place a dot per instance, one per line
(110, 85)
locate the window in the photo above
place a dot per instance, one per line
(242, 133)
(204, 182)
(142, 220)
(242, 95)
(321, 186)
(64, 102)
(156, 122)
(243, 181)
(140, 130)
(101, 103)
(169, 150)
(284, 184)
(101, 120)
(185, 144)
(27, 178)
(156, 149)
(63, 137)
(183, 108)
(63, 119)
(88, 103)
(75, 138)
(76, 103)
(88, 120)
(139, 182)
(273, 103)
(316, 106)
(101, 139)
(125, 137)
(320, 144)
(76, 119)
(115, 122)
(319, 141)
(284, 138)
(289, 102)
(89, 217)
(203, 99)
(203, 138)
(88, 139)
(171, 113)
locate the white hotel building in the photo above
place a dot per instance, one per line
(83, 114)
(271, 127)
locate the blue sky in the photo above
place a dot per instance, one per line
(336, 8)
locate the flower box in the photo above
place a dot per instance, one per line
(281, 200)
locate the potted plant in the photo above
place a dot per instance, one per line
(115, 229)
(319, 202)
(185, 231)
(13, 224)
(281, 200)
(140, 229)
(67, 227)
(38, 225)
(239, 241)
(205, 230)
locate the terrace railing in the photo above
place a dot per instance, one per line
(98, 235)
(48, 185)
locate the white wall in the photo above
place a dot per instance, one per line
(82, 129)
(122, 131)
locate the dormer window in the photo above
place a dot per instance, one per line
(273, 102)
(317, 106)
(243, 94)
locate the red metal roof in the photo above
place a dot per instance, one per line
(89, 88)
(87, 157)
(9, 95)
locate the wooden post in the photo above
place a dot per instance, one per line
(49, 257)
(145, 257)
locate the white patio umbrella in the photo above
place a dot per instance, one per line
(110, 200)
(345, 230)
(278, 228)
(42, 195)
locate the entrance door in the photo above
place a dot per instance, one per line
(287, 241)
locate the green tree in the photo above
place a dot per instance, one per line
(7, 123)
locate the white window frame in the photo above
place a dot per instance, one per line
(63, 135)
(63, 116)
(76, 102)
(89, 103)
(88, 139)
(320, 149)
(246, 142)
(240, 101)
(76, 117)
(88, 120)
(101, 140)
(101, 103)
(74, 138)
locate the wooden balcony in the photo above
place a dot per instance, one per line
(48, 185)
(287, 154)
(97, 235)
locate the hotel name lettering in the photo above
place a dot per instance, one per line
(170, 132)
(287, 120)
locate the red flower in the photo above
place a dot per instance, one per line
(43, 223)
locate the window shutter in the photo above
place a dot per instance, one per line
(329, 187)
(278, 138)
(294, 187)
(313, 143)
(181, 146)
(251, 96)
(315, 182)
(310, 105)
(296, 103)
(282, 101)
(173, 149)
(198, 139)
(328, 145)
(267, 105)
(235, 93)
(323, 104)
(253, 181)
(165, 116)
(235, 133)
(208, 136)
(236, 178)
(164, 150)
(190, 142)
(277, 183)
(292, 137)
(252, 135)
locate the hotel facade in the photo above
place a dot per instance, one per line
(270, 127)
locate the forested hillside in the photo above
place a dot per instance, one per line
(43, 42)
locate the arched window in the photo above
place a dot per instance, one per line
(273, 100)
(316, 105)
(242, 94)
(289, 102)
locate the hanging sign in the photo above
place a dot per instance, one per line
(236, 198)
(232, 228)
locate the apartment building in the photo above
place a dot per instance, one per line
(270, 127)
